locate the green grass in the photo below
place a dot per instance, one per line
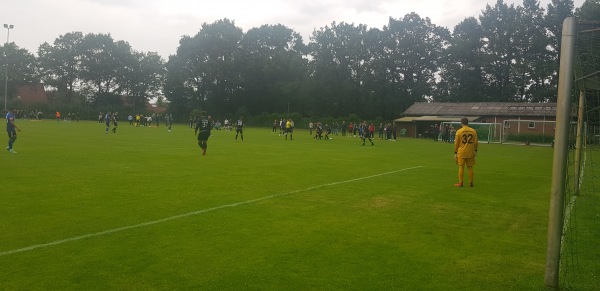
(142, 209)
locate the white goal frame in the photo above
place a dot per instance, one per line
(494, 130)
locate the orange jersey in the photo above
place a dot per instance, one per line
(466, 142)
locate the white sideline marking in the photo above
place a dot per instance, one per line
(114, 230)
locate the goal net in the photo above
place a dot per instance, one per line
(571, 261)
(486, 132)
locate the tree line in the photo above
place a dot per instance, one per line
(508, 53)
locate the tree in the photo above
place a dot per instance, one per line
(413, 50)
(500, 25)
(176, 91)
(272, 68)
(338, 68)
(59, 65)
(462, 73)
(104, 66)
(589, 10)
(203, 73)
(558, 10)
(534, 71)
(19, 65)
(144, 78)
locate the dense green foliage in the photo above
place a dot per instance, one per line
(531, 138)
(142, 209)
(509, 53)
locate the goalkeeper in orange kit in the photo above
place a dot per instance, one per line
(465, 151)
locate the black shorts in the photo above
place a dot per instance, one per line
(239, 130)
(12, 133)
(203, 135)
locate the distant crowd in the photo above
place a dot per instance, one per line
(359, 129)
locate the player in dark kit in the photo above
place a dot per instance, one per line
(239, 128)
(115, 122)
(203, 127)
(365, 133)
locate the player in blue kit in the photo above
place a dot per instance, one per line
(11, 129)
(107, 119)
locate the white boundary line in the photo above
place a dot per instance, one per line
(114, 230)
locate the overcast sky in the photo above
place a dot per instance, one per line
(157, 25)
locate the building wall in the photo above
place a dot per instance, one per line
(416, 129)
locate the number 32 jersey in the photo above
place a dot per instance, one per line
(466, 142)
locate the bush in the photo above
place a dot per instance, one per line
(532, 138)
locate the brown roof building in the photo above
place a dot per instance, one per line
(32, 94)
(421, 117)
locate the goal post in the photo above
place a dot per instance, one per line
(559, 163)
(575, 169)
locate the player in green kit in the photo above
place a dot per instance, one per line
(465, 150)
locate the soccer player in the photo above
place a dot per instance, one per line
(465, 150)
(226, 122)
(365, 133)
(169, 121)
(203, 127)
(115, 122)
(327, 131)
(239, 128)
(281, 127)
(10, 129)
(319, 131)
(288, 128)
(107, 119)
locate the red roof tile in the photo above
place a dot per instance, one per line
(32, 94)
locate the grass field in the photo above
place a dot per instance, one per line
(142, 209)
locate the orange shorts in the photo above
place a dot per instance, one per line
(470, 162)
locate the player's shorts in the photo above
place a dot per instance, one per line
(238, 130)
(290, 130)
(12, 133)
(203, 135)
(470, 162)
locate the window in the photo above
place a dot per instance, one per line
(531, 125)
